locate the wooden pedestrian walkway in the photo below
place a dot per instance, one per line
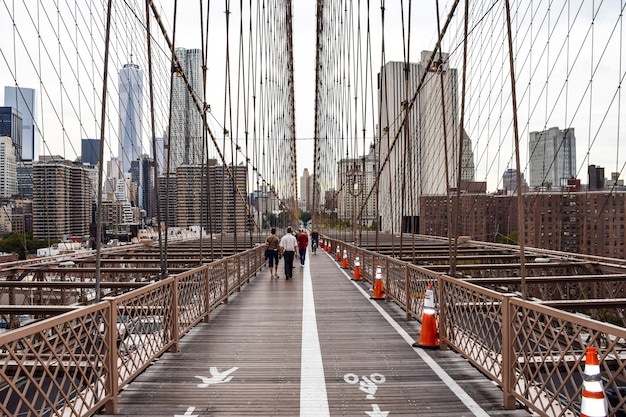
(315, 345)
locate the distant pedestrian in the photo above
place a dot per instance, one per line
(303, 242)
(288, 245)
(271, 252)
(315, 237)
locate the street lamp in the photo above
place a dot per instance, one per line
(355, 191)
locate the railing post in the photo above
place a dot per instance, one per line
(174, 314)
(387, 280)
(508, 365)
(207, 294)
(239, 272)
(227, 292)
(406, 291)
(111, 383)
(441, 312)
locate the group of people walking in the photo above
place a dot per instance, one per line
(290, 246)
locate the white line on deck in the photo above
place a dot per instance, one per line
(313, 398)
(441, 373)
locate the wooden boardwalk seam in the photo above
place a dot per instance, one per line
(247, 361)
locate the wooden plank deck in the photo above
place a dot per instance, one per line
(254, 347)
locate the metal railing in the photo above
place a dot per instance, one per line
(76, 363)
(534, 352)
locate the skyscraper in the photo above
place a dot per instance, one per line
(552, 157)
(11, 126)
(8, 173)
(185, 141)
(90, 151)
(414, 143)
(62, 199)
(131, 115)
(306, 189)
(24, 101)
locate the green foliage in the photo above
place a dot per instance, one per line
(22, 244)
(305, 216)
(510, 239)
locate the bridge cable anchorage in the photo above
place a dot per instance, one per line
(429, 337)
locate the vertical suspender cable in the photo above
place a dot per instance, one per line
(152, 131)
(459, 177)
(451, 236)
(105, 77)
(520, 192)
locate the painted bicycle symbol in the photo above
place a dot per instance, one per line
(367, 385)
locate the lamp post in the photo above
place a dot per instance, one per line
(355, 191)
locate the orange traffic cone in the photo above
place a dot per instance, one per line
(344, 261)
(357, 268)
(338, 255)
(329, 247)
(322, 244)
(379, 291)
(594, 400)
(429, 337)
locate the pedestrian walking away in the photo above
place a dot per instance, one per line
(315, 237)
(271, 252)
(289, 246)
(303, 242)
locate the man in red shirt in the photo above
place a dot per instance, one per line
(303, 242)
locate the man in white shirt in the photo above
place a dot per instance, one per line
(289, 246)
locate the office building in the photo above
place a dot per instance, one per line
(25, 180)
(596, 177)
(355, 178)
(185, 141)
(412, 137)
(62, 199)
(198, 196)
(552, 158)
(8, 171)
(306, 190)
(24, 101)
(131, 115)
(90, 151)
(509, 182)
(11, 126)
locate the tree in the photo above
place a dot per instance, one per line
(510, 239)
(305, 216)
(22, 244)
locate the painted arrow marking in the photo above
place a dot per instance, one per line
(216, 377)
(187, 413)
(376, 412)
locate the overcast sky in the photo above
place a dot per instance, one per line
(561, 67)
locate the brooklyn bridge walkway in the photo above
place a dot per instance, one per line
(316, 345)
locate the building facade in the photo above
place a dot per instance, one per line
(355, 179)
(185, 142)
(62, 199)
(306, 190)
(206, 196)
(587, 222)
(24, 101)
(552, 158)
(11, 126)
(419, 149)
(130, 133)
(8, 168)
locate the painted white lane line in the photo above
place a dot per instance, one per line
(313, 397)
(442, 374)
